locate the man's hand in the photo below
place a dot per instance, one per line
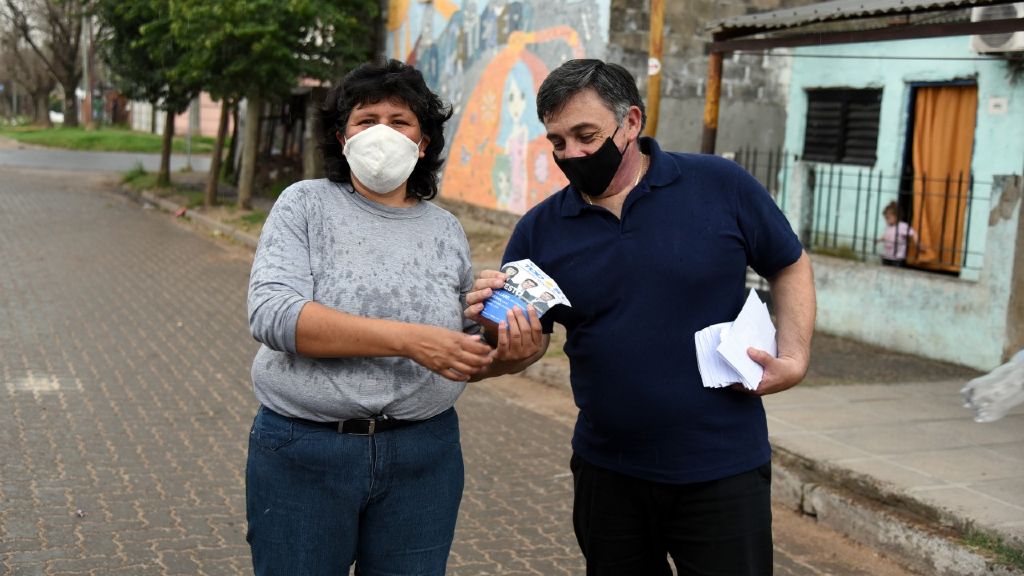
(780, 373)
(795, 307)
(483, 288)
(519, 336)
(519, 340)
(454, 355)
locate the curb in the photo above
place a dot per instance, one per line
(215, 226)
(919, 536)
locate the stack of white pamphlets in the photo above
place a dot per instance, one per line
(722, 348)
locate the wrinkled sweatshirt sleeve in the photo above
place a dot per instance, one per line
(468, 326)
(281, 282)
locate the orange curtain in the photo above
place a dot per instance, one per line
(942, 148)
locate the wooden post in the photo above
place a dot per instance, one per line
(712, 96)
(655, 51)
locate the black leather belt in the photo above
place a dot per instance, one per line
(360, 426)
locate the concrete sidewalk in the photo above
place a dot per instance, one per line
(896, 463)
(902, 468)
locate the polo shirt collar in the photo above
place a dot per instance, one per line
(661, 172)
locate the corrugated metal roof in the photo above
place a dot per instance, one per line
(838, 10)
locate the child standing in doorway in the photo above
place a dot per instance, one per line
(896, 238)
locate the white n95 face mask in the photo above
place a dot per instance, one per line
(381, 157)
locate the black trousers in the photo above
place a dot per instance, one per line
(629, 527)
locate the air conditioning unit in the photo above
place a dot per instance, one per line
(1004, 42)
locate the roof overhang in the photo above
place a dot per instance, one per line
(780, 28)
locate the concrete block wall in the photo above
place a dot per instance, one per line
(754, 86)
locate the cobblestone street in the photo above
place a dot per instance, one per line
(125, 372)
(124, 379)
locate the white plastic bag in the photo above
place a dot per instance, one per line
(993, 395)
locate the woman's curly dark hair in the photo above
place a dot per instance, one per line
(377, 81)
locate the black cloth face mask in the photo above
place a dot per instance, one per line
(592, 174)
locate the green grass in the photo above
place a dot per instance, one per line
(1005, 554)
(252, 222)
(105, 139)
(138, 179)
(257, 217)
(195, 198)
(274, 189)
(844, 252)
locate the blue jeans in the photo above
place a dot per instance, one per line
(317, 500)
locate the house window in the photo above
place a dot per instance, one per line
(842, 126)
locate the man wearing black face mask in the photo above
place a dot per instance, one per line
(651, 247)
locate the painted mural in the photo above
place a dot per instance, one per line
(487, 59)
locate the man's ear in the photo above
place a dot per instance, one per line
(634, 119)
(341, 139)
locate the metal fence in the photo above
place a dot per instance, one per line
(844, 204)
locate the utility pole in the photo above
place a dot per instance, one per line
(87, 115)
(712, 101)
(655, 51)
(193, 124)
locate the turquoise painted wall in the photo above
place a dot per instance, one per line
(998, 138)
(963, 320)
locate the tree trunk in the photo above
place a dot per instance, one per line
(163, 177)
(249, 152)
(70, 108)
(213, 179)
(231, 164)
(41, 108)
(312, 158)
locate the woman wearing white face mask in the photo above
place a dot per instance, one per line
(357, 294)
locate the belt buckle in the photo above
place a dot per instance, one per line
(371, 427)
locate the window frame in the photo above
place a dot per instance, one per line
(841, 125)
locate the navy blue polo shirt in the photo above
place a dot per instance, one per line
(640, 287)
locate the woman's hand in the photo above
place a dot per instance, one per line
(454, 355)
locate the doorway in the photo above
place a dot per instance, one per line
(936, 184)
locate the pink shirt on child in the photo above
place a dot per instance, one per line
(896, 238)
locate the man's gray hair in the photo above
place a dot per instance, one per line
(612, 83)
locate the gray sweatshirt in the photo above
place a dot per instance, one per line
(324, 242)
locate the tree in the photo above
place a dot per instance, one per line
(259, 50)
(143, 54)
(52, 29)
(27, 70)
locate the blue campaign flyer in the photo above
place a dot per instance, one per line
(497, 306)
(525, 283)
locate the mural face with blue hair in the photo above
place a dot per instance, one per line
(519, 106)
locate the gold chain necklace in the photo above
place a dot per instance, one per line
(644, 159)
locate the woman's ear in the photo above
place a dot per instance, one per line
(424, 142)
(341, 139)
